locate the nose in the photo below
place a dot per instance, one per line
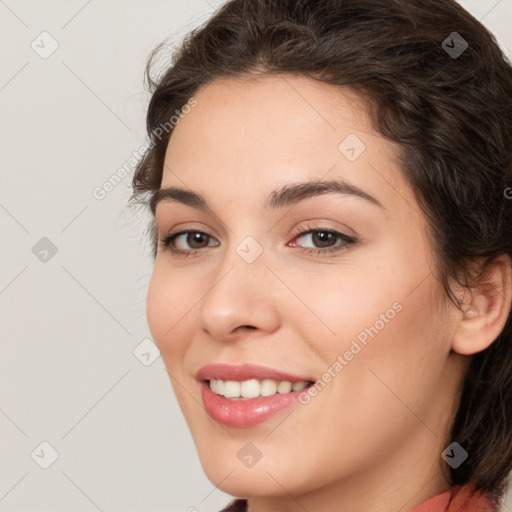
(242, 298)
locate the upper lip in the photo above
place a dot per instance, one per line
(245, 372)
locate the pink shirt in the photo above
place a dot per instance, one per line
(463, 500)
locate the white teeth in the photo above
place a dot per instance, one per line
(284, 387)
(250, 388)
(299, 385)
(268, 387)
(231, 389)
(253, 388)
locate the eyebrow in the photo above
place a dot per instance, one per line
(288, 195)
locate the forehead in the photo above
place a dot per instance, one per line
(273, 109)
(279, 129)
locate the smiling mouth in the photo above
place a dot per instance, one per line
(247, 403)
(246, 395)
(254, 388)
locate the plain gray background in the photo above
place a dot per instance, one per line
(77, 370)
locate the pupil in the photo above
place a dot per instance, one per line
(195, 237)
(327, 236)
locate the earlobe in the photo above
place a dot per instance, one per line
(486, 310)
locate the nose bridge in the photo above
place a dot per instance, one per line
(241, 292)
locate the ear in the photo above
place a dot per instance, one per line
(485, 308)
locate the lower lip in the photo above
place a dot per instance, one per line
(245, 413)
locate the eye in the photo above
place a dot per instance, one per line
(194, 239)
(324, 239)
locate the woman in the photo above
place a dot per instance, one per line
(331, 294)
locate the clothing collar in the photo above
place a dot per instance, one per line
(456, 499)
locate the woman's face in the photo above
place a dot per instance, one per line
(364, 317)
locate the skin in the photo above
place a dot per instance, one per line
(371, 439)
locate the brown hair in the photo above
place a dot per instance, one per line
(451, 115)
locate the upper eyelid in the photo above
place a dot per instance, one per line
(192, 227)
(298, 231)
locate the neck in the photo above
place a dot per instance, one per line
(395, 484)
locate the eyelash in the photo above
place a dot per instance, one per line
(347, 241)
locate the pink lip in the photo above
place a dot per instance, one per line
(245, 372)
(245, 413)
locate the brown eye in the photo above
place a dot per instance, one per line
(324, 240)
(195, 240)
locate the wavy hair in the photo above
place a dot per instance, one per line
(450, 114)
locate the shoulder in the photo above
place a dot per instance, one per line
(458, 499)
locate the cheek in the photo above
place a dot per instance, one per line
(346, 304)
(367, 401)
(396, 356)
(167, 305)
(169, 312)
(388, 329)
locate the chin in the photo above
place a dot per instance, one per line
(248, 482)
(268, 476)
